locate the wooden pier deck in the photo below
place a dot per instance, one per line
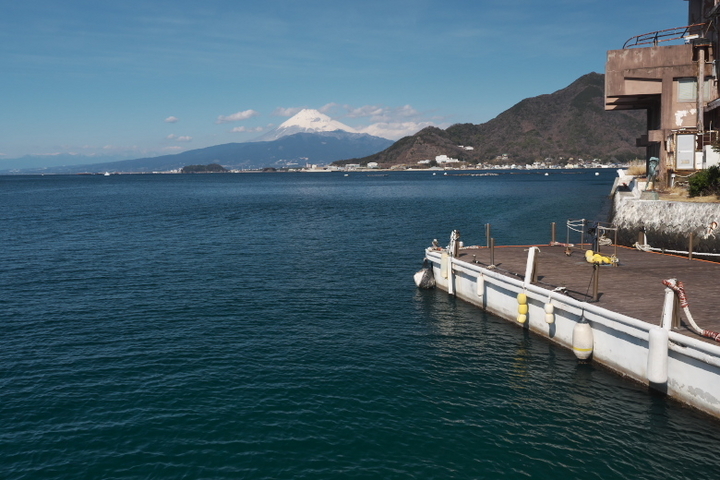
(633, 288)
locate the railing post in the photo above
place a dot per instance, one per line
(690, 246)
(669, 312)
(487, 234)
(567, 225)
(492, 251)
(596, 280)
(552, 233)
(616, 263)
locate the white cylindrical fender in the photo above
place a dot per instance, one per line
(549, 313)
(418, 277)
(451, 276)
(582, 340)
(530, 266)
(444, 264)
(480, 286)
(657, 363)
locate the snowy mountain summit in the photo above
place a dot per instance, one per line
(305, 121)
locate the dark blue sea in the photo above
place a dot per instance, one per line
(266, 326)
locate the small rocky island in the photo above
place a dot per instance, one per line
(211, 168)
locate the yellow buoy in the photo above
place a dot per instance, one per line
(522, 298)
(523, 309)
(522, 318)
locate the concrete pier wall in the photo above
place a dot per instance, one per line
(667, 224)
(619, 342)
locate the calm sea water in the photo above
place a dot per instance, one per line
(266, 326)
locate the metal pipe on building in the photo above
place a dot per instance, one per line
(700, 90)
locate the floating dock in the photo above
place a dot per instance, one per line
(635, 323)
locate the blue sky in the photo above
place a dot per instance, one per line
(139, 78)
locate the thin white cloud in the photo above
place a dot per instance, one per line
(245, 129)
(330, 108)
(172, 149)
(378, 113)
(286, 112)
(171, 119)
(393, 131)
(382, 121)
(236, 117)
(372, 111)
(182, 138)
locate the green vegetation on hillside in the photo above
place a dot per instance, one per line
(211, 168)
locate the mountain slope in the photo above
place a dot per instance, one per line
(291, 150)
(571, 122)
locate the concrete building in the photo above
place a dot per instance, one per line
(672, 74)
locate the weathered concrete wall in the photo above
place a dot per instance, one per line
(667, 224)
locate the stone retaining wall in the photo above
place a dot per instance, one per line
(667, 224)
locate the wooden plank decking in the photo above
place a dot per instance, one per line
(633, 288)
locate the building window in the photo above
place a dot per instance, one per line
(687, 89)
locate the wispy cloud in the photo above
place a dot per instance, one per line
(172, 149)
(286, 112)
(171, 119)
(182, 138)
(393, 130)
(245, 129)
(236, 117)
(379, 113)
(380, 120)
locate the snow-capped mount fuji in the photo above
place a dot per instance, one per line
(308, 137)
(305, 121)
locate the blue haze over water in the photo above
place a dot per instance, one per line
(266, 326)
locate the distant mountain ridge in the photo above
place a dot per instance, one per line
(288, 151)
(571, 122)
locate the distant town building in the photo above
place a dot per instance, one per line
(445, 159)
